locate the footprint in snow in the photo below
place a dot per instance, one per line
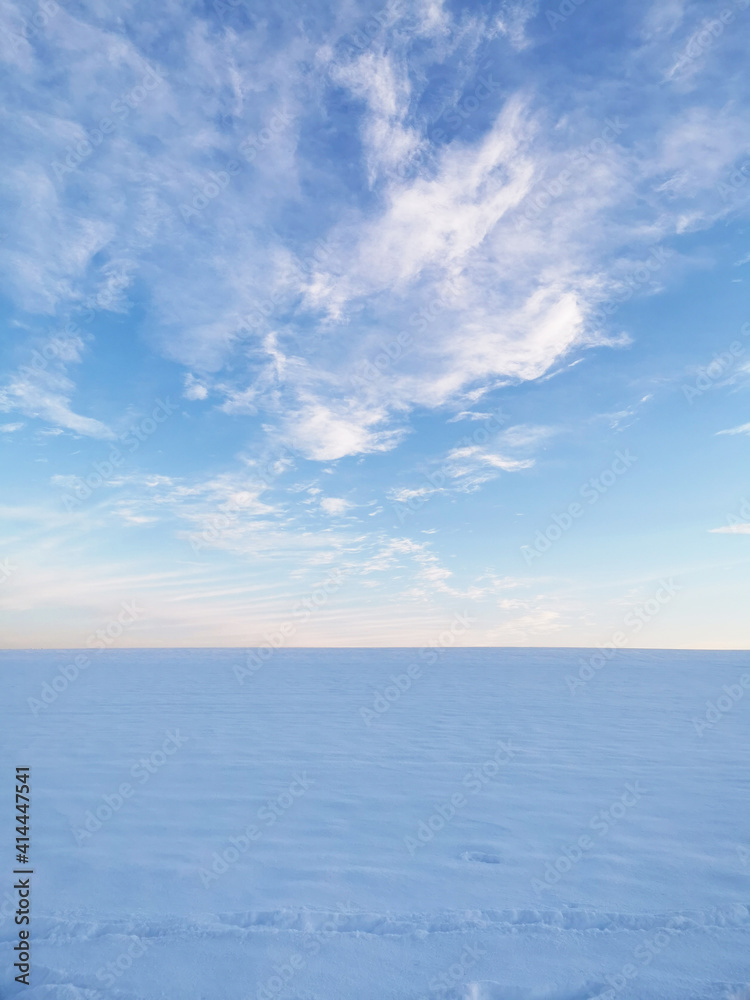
(482, 858)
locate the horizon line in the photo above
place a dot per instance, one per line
(623, 649)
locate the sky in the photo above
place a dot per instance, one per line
(390, 324)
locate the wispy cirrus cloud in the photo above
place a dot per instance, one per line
(438, 231)
(43, 389)
(741, 429)
(331, 237)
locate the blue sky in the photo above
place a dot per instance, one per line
(327, 323)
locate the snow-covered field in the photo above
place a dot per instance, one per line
(493, 831)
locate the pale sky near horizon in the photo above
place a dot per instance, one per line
(325, 324)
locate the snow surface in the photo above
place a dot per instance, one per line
(329, 901)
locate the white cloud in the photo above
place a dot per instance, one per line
(742, 429)
(696, 152)
(10, 428)
(527, 435)
(469, 415)
(42, 389)
(334, 505)
(512, 20)
(377, 79)
(524, 627)
(467, 457)
(404, 494)
(193, 388)
(321, 433)
(431, 577)
(732, 529)
(435, 221)
(663, 18)
(438, 231)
